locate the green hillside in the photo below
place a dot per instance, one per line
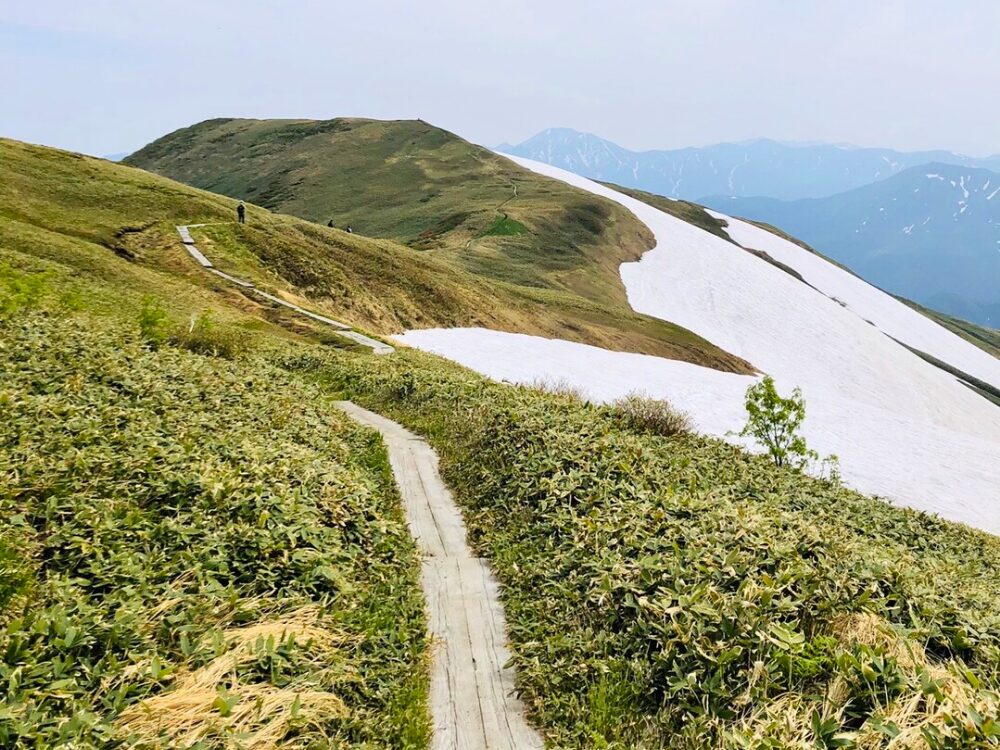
(99, 209)
(419, 185)
(186, 520)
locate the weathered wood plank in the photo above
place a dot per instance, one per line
(377, 347)
(473, 704)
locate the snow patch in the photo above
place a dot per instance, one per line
(903, 428)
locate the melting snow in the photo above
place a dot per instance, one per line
(990, 196)
(907, 230)
(903, 428)
(935, 177)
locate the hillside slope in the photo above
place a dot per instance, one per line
(95, 211)
(902, 428)
(416, 184)
(931, 234)
(760, 167)
(197, 549)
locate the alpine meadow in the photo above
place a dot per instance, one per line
(325, 427)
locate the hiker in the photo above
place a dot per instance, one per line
(349, 230)
(330, 223)
(241, 213)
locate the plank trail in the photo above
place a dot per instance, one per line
(378, 347)
(473, 705)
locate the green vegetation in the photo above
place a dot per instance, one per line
(207, 537)
(775, 423)
(678, 592)
(193, 550)
(641, 413)
(504, 226)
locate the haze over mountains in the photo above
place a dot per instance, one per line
(924, 225)
(755, 168)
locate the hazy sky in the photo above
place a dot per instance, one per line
(108, 75)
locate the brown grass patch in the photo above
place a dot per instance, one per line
(941, 710)
(212, 704)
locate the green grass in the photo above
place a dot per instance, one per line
(157, 498)
(677, 592)
(504, 226)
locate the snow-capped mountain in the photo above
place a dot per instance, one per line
(755, 168)
(930, 233)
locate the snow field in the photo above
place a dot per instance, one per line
(903, 429)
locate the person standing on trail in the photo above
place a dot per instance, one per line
(349, 229)
(241, 213)
(330, 223)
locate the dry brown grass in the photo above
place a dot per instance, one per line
(212, 704)
(789, 718)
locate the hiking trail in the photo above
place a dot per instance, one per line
(472, 700)
(377, 347)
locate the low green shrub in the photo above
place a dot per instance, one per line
(20, 289)
(154, 323)
(201, 335)
(775, 423)
(642, 413)
(166, 516)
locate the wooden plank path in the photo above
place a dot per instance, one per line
(473, 705)
(377, 347)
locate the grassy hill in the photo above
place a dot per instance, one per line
(176, 499)
(418, 185)
(98, 209)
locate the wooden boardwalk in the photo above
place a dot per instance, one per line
(377, 347)
(473, 705)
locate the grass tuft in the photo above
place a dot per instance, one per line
(642, 413)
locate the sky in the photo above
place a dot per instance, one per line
(108, 76)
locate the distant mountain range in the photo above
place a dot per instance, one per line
(930, 233)
(924, 225)
(755, 168)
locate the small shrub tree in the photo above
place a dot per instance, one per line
(153, 323)
(774, 422)
(202, 336)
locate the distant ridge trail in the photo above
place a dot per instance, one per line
(377, 347)
(473, 705)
